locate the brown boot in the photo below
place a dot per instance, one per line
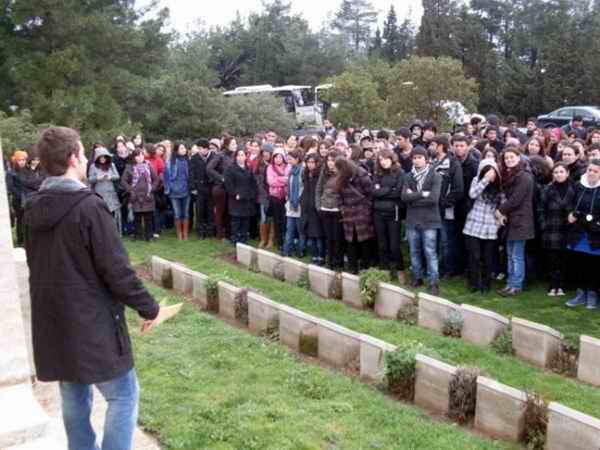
(178, 229)
(271, 235)
(185, 229)
(264, 235)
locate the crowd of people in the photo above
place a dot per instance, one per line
(487, 201)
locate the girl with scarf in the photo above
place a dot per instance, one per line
(584, 235)
(310, 220)
(354, 186)
(554, 207)
(278, 173)
(102, 176)
(292, 206)
(140, 181)
(516, 215)
(177, 187)
(241, 191)
(421, 193)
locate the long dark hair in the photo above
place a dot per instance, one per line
(386, 154)
(307, 173)
(492, 190)
(509, 174)
(346, 169)
(175, 151)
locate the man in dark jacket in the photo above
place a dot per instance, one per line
(201, 185)
(80, 282)
(469, 164)
(452, 191)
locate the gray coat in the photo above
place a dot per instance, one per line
(102, 181)
(423, 212)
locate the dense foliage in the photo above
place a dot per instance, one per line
(111, 66)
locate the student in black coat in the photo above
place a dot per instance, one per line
(310, 220)
(240, 185)
(201, 185)
(389, 211)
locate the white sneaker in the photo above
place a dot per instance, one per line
(560, 293)
(156, 236)
(500, 277)
(552, 293)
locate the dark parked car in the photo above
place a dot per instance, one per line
(563, 116)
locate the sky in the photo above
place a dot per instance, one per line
(186, 13)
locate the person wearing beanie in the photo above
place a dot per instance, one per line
(421, 194)
(416, 132)
(452, 191)
(102, 177)
(201, 185)
(481, 226)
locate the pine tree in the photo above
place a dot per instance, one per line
(391, 36)
(355, 19)
(375, 50)
(436, 35)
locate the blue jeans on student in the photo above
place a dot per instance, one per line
(423, 241)
(181, 207)
(448, 247)
(516, 264)
(292, 230)
(121, 394)
(317, 248)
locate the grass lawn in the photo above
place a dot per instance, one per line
(205, 257)
(206, 385)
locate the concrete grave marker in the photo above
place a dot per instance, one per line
(535, 342)
(161, 272)
(263, 314)
(294, 270)
(432, 384)
(571, 430)
(182, 279)
(589, 360)
(246, 256)
(433, 311)
(292, 322)
(230, 299)
(390, 299)
(351, 290)
(480, 326)
(500, 410)
(321, 280)
(338, 346)
(372, 357)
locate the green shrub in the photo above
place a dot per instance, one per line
(503, 344)
(401, 368)
(369, 285)
(536, 421)
(566, 360)
(212, 293)
(453, 324)
(409, 313)
(463, 394)
(303, 281)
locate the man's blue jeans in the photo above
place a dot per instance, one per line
(121, 394)
(516, 264)
(423, 241)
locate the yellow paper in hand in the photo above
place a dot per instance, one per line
(167, 312)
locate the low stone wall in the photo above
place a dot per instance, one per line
(263, 314)
(321, 280)
(338, 346)
(571, 430)
(390, 299)
(294, 270)
(589, 361)
(246, 255)
(182, 279)
(292, 323)
(535, 342)
(480, 326)
(372, 357)
(199, 289)
(230, 297)
(432, 384)
(351, 290)
(270, 264)
(500, 410)
(433, 311)
(161, 272)
(22, 270)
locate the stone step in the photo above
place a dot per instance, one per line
(40, 444)
(22, 419)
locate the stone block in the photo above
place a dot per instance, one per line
(21, 417)
(230, 299)
(500, 410)
(22, 270)
(338, 346)
(351, 290)
(246, 255)
(292, 323)
(270, 264)
(182, 279)
(199, 289)
(263, 314)
(372, 357)
(161, 272)
(589, 360)
(322, 280)
(535, 342)
(432, 384)
(390, 299)
(294, 270)
(480, 326)
(433, 311)
(571, 430)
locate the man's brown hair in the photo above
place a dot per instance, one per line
(55, 148)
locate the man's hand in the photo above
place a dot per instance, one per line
(572, 219)
(149, 324)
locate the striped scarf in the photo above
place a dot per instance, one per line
(420, 176)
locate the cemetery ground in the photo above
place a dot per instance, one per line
(209, 385)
